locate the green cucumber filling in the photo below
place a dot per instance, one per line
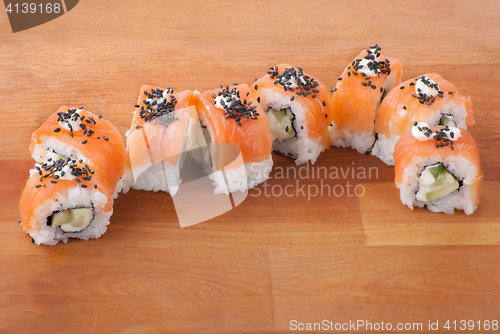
(281, 123)
(72, 220)
(447, 120)
(435, 182)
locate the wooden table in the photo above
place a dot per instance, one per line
(273, 259)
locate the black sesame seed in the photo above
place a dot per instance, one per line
(84, 142)
(450, 92)
(57, 129)
(326, 115)
(334, 90)
(437, 145)
(38, 186)
(138, 127)
(100, 116)
(292, 98)
(52, 181)
(402, 87)
(84, 186)
(324, 104)
(105, 138)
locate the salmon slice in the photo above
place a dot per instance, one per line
(245, 125)
(162, 131)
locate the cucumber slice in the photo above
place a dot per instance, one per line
(72, 220)
(280, 123)
(447, 120)
(435, 182)
(279, 114)
(435, 170)
(80, 217)
(60, 218)
(443, 191)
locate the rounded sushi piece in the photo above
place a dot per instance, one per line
(428, 98)
(155, 139)
(79, 134)
(299, 110)
(438, 167)
(232, 115)
(359, 91)
(66, 199)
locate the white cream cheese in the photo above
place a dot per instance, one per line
(73, 122)
(426, 86)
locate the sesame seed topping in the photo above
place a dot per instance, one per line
(105, 138)
(57, 129)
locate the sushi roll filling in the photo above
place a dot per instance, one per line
(447, 120)
(435, 182)
(281, 123)
(72, 220)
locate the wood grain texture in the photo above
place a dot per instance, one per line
(273, 259)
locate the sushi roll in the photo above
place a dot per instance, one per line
(438, 167)
(299, 110)
(70, 191)
(80, 134)
(232, 115)
(158, 131)
(359, 91)
(428, 98)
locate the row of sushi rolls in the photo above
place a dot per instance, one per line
(419, 126)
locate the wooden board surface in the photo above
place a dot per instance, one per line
(274, 258)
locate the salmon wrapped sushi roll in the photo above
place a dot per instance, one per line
(428, 98)
(79, 134)
(232, 115)
(438, 167)
(66, 199)
(70, 193)
(299, 110)
(359, 91)
(158, 131)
